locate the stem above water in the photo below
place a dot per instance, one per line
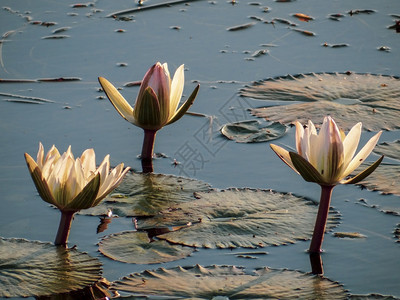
(147, 150)
(322, 217)
(64, 228)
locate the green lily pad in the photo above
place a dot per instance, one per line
(136, 247)
(240, 218)
(227, 282)
(384, 179)
(374, 99)
(391, 150)
(146, 194)
(253, 131)
(35, 269)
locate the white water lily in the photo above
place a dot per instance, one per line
(158, 99)
(327, 157)
(73, 184)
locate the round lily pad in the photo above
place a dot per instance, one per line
(34, 269)
(137, 248)
(228, 282)
(146, 194)
(374, 99)
(253, 131)
(240, 218)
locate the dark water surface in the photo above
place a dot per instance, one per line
(222, 62)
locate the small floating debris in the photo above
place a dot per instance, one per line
(305, 32)
(254, 3)
(350, 235)
(59, 79)
(335, 45)
(268, 45)
(384, 48)
(61, 29)
(259, 53)
(240, 27)
(256, 18)
(175, 27)
(55, 37)
(133, 83)
(23, 101)
(120, 30)
(124, 18)
(361, 11)
(82, 5)
(396, 26)
(303, 17)
(284, 21)
(26, 98)
(48, 24)
(336, 17)
(122, 64)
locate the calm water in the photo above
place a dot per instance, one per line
(218, 59)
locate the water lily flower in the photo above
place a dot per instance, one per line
(327, 158)
(72, 184)
(156, 104)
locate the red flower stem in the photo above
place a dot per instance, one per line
(64, 228)
(316, 264)
(322, 217)
(147, 150)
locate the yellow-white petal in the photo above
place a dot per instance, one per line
(350, 143)
(88, 160)
(117, 100)
(178, 82)
(362, 155)
(284, 156)
(299, 138)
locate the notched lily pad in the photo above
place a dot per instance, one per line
(136, 247)
(384, 179)
(253, 131)
(146, 194)
(228, 282)
(374, 99)
(30, 268)
(240, 218)
(391, 149)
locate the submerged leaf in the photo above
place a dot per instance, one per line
(146, 194)
(374, 99)
(350, 235)
(239, 218)
(253, 131)
(228, 282)
(136, 248)
(35, 269)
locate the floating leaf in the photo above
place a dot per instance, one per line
(35, 269)
(391, 150)
(146, 194)
(386, 179)
(228, 282)
(135, 247)
(374, 99)
(253, 131)
(239, 218)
